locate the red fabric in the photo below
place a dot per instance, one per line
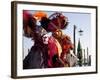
(66, 47)
(26, 16)
(52, 50)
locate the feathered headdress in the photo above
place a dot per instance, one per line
(54, 22)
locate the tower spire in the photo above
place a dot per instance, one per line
(79, 53)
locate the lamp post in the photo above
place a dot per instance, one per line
(74, 39)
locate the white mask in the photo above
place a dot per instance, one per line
(45, 38)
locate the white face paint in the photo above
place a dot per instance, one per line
(45, 38)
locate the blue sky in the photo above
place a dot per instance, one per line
(81, 20)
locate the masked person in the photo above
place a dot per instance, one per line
(37, 55)
(65, 43)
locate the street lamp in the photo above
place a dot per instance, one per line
(80, 32)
